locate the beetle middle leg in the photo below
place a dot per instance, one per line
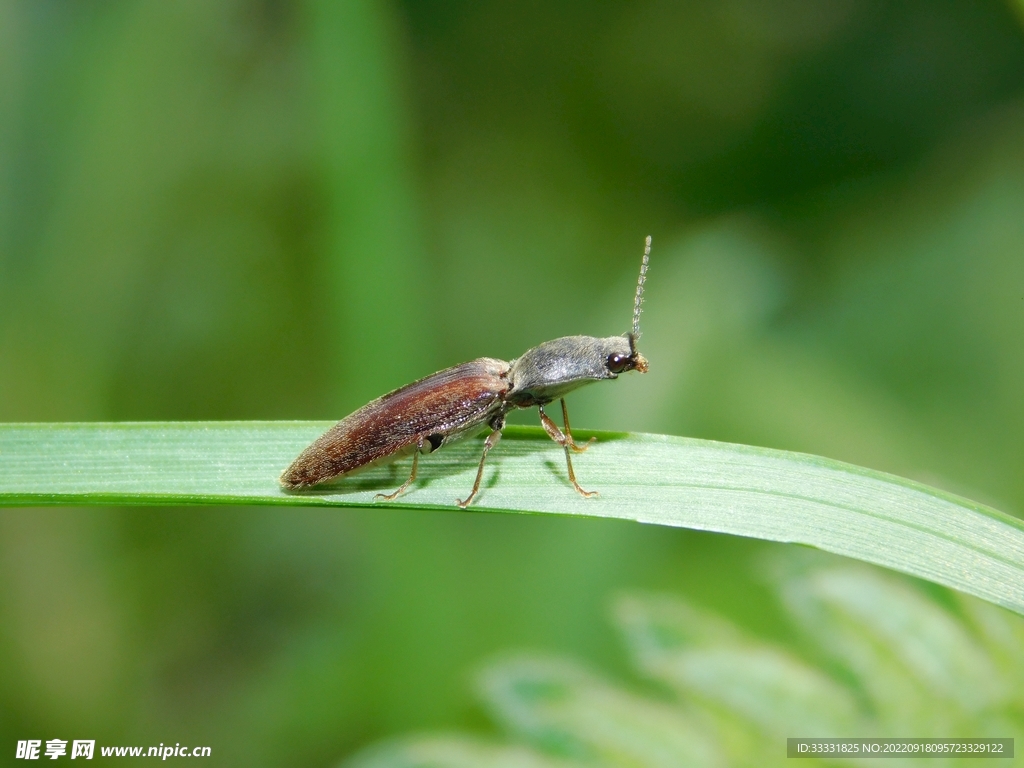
(412, 475)
(565, 440)
(490, 442)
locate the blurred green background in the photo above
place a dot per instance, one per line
(254, 209)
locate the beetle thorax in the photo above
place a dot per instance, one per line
(553, 369)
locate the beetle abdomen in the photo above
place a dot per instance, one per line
(451, 402)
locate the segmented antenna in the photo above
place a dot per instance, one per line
(638, 302)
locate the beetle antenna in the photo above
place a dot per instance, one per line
(638, 302)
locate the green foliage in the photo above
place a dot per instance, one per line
(890, 661)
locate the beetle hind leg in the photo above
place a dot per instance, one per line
(407, 483)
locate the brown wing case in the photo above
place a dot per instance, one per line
(449, 402)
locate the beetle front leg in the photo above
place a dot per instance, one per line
(568, 432)
(567, 444)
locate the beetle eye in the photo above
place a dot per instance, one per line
(617, 363)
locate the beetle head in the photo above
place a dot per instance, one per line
(621, 355)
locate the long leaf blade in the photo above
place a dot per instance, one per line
(742, 490)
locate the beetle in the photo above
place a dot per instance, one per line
(467, 399)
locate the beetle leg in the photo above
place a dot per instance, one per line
(568, 432)
(556, 434)
(412, 476)
(490, 442)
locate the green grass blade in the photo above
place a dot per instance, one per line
(756, 492)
